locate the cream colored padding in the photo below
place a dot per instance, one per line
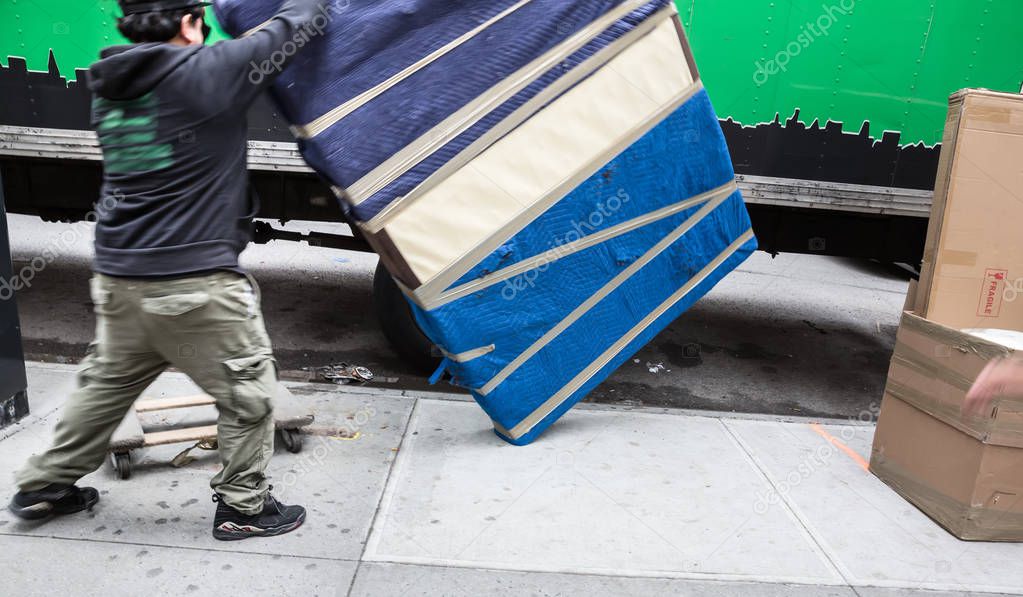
(574, 135)
(513, 120)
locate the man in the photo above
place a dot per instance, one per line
(175, 213)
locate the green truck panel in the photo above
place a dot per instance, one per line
(890, 62)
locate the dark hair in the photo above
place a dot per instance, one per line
(149, 27)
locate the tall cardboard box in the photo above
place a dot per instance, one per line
(972, 273)
(966, 473)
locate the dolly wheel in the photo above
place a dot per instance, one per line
(292, 439)
(122, 464)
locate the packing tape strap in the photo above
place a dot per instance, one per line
(990, 114)
(560, 252)
(973, 522)
(459, 122)
(1005, 428)
(913, 358)
(333, 116)
(954, 339)
(962, 258)
(555, 401)
(469, 355)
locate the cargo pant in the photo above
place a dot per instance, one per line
(210, 327)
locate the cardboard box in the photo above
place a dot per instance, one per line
(964, 472)
(972, 275)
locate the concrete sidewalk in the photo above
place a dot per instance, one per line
(414, 495)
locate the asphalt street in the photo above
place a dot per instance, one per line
(794, 335)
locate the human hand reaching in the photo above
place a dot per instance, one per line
(1001, 379)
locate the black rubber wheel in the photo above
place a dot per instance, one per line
(122, 464)
(399, 326)
(292, 440)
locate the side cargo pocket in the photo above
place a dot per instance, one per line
(253, 384)
(100, 296)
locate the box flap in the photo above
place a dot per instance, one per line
(911, 295)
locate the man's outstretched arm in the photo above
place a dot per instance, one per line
(243, 67)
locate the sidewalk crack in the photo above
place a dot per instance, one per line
(383, 493)
(830, 560)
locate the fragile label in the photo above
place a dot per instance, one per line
(991, 293)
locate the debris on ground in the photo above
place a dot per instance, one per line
(343, 374)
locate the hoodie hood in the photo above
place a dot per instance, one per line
(129, 72)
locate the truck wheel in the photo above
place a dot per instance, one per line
(399, 326)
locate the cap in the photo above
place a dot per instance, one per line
(132, 7)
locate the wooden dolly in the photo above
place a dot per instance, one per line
(130, 435)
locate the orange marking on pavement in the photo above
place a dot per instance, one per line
(838, 444)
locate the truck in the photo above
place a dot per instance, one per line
(833, 114)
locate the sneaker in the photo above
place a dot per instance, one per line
(275, 519)
(53, 500)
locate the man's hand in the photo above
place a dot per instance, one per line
(1002, 378)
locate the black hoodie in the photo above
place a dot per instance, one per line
(172, 124)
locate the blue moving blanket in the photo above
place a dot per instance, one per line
(546, 179)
